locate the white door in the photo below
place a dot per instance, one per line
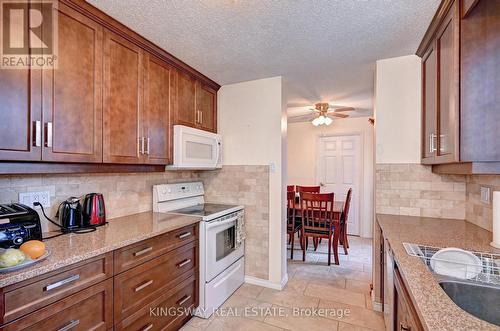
(339, 168)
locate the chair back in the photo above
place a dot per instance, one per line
(290, 208)
(347, 204)
(317, 211)
(290, 188)
(308, 189)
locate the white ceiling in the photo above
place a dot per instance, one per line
(325, 49)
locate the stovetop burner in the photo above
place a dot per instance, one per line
(204, 210)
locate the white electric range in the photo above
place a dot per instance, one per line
(222, 260)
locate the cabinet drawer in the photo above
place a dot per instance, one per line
(25, 297)
(89, 309)
(141, 285)
(176, 303)
(133, 255)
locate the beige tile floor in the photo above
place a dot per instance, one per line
(317, 297)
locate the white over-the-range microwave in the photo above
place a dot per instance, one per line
(196, 149)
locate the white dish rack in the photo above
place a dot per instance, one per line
(490, 273)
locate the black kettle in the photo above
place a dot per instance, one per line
(70, 214)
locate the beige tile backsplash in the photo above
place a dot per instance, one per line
(124, 194)
(412, 189)
(476, 211)
(248, 186)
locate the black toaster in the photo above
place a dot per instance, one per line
(18, 224)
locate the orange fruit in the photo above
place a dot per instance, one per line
(33, 248)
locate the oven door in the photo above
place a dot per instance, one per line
(221, 247)
(196, 149)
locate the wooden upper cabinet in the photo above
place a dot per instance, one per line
(185, 113)
(440, 92)
(429, 103)
(448, 54)
(72, 93)
(158, 84)
(480, 81)
(123, 99)
(20, 114)
(206, 107)
(196, 104)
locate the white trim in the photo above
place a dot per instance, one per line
(266, 283)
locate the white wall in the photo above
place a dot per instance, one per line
(302, 153)
(250, 118)
(398, 109)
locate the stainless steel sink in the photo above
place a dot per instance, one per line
(480, 300)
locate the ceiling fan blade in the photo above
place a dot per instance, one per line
(338, 115)
(302, 118)
(342, 109)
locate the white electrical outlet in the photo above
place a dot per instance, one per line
(485, 194)
(29, 198)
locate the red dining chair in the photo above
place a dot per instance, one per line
(318, 222)
(308, 189)
(293, 224)
(290, 188)
(343, 221)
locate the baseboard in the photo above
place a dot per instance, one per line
(267, 283)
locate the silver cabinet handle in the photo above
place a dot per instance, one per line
(38, 134)
(184, 300)
(61, 282)
(70, 325)
(184, 235)
(143, 286)
(143, 251)
(432, 147)
(142, 141)
(147, 146)
(147, 327)
(183, 263)
(201, 117)
(48, 137)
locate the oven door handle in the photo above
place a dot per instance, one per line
(215, 224)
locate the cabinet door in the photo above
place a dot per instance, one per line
(123, 98)
(185, 108)
(447, 44)
(206, 107)
(157, 84)
(72, 97)
(429, 104)
(20, 114)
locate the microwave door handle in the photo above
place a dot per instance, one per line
(220, 223)
(217, 147)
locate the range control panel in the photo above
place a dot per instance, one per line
(168, 192)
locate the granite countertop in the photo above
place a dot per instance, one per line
(434, 307)
(118, 233)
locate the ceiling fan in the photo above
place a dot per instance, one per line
(322, 114)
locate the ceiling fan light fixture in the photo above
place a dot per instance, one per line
(328, 121)
(315, 121)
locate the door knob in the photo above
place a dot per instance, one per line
(321, 184)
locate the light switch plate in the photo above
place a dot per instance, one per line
(485, 194)
(29, 198)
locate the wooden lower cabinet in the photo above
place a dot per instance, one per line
(162, 314)
(157, 291)
(90, 309)
(405, 315)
